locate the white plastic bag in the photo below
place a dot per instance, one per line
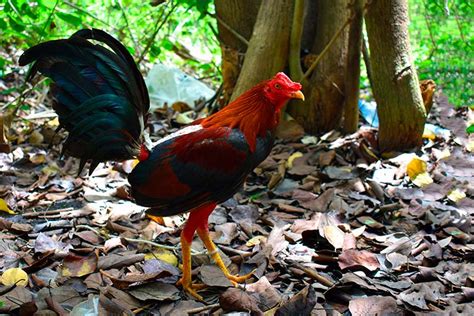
(168, 84)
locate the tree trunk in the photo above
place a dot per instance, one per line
(235, 21)
(352, 81)
(395, 82)
(325, 91)
(267, 52)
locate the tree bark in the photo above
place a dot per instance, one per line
(395, 82)
(325, 91)
(267, 52)
(235, 22)
(352, 80)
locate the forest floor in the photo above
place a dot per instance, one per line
(327, 225)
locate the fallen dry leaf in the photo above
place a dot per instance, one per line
(237, 300)
(374, 305)
(14, 276)
(352, 258)
(155, 291)
(300, 304)
(77, 266)
(4, 207)
(334, 235)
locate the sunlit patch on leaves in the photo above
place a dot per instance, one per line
(77, 266)
(456, 195)
(163, 255)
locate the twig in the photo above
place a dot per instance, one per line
(140, 309)
(459, 25)
(235, 251)
(76, 7)
(23, 86)
(157, 29)
(368, 65)
(45, 213)
(137, 47)
(231, 30)
(202, 309)
(314, 275)
(296, 71)
(149, 242)
(326, 49)
(133, 240)
(331, 42)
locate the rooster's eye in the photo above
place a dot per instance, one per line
(277, 86)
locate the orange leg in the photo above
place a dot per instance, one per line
(203, 233)
(197, 221)
(196, 217)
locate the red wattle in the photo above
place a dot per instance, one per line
(144, 153)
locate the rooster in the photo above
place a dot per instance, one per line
(102, 101)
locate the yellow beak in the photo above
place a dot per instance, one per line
(297, 95)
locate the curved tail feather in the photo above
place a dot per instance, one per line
(98, 93)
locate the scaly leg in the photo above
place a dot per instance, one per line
(203, 233)
(196, 217)
(186, 280)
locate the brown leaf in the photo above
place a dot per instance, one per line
(325, 158)
(276, 239)
(121, 298)
(77, 266)
(155, 291)
(65, 295)
(211, 275)
(268, 296)
(225, 233)
(352, 258)
(90, 236)
(16, 297)
(125, 282)
(374, 305)
(234, 299)
(300, 304)
(14, 227)
(334, 235)
(420, 293)
(117, 261)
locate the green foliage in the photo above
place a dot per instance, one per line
(442, 39)
(470, 129)
(151, 30)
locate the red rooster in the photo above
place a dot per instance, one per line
(102, 101)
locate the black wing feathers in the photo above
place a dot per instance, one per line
(99, 94)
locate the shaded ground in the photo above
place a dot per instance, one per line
(327, 226)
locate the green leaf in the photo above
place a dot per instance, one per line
(70, 18)
(7, 91)
(17, 26)
(202, 6)
(50, 4)
(155, 50)
(470, 129)
(167, 44)
(3, 24)
(26, 9)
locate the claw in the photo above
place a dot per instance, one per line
(192, 288)
(236, 279)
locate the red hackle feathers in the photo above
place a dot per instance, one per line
(256, 111)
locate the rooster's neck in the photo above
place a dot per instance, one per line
(252, 113)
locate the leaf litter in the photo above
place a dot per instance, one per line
(325, 226)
